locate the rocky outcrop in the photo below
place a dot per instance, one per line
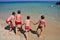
(58, 3)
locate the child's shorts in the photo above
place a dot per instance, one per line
(17, 23)
(39, 26)
(26, 27)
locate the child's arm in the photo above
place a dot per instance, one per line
(44, 24)
(23, 23)
(36, 22)
(33, 22)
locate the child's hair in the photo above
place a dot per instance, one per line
(13, 13)
(42, 17)
(19, 12)
(28, 17)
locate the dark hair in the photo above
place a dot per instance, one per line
(13, 13)
(42, 17)
(28, 17)
(19, 12)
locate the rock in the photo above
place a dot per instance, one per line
(58, 3)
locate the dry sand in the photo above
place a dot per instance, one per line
(52, 31)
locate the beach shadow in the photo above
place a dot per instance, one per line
(34, 32)
(22, 31)
(14, 29)
(8, 28)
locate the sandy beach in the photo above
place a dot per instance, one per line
(52, 30)
(34, 10)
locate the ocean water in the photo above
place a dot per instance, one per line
(46, 8)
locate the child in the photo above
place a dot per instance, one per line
(11, 21)
(41, 25)
(18, 20)
(27, 26)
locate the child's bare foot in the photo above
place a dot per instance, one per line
(16, 33)
(10, 32)
(40, 36)
(26, 38)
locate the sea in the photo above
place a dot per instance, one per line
(47, 8)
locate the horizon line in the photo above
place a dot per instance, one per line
(29, 1)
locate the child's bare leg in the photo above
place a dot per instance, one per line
(16, 29)
(26, 33)
(41, 32)
(21, 25)
(38, 32)
(10, 27)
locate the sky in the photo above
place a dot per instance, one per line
(29, 0)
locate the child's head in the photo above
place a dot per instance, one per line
(28, 17)
(13, 13)
(19, 12)
(42, 17)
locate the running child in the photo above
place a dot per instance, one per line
(41, 26)
(18, 20)
(11, 21)
(27, 26)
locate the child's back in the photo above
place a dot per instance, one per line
(41, 26)
(27, 26)
(27, 22)
(18, 17)
(11, 18)
(42, 22)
